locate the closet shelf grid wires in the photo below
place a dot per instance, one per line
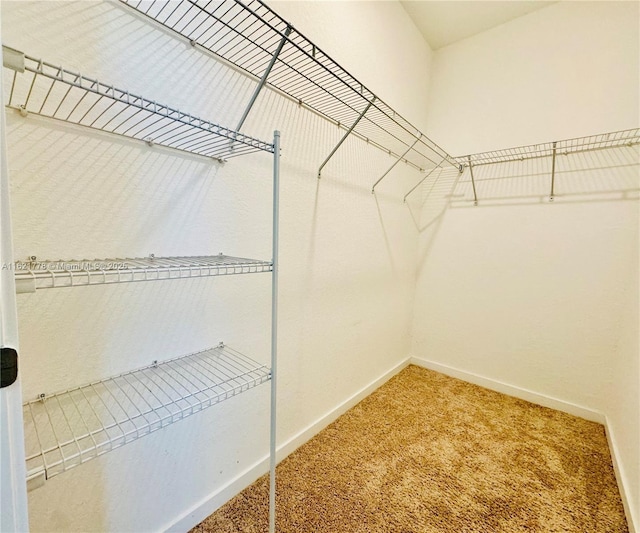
(600, 141)
(252, 38)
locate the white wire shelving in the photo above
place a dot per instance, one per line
(601, 141)
(35, 86)
(32, 275)
(257, 41)
(66, 429)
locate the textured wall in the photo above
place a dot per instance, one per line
(564, 71)
(538, 295)
(347, 257)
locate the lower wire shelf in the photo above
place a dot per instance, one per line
(69, 428)
(34, 274)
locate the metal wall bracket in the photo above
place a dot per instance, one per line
(344, 137)
(265, 75)
(373, 189)
(553, 171)
(422, 180)
(473, 182)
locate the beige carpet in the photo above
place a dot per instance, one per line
(429, 453)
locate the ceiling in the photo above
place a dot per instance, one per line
(444, 22)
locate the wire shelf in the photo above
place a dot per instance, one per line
(34, 275)
(44, 89)
(248, 34)
(69, 428)
(601, 141)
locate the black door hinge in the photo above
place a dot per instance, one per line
(8, 367)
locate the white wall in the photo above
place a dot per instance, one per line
(568, 70)
(538, 295)
(496, 283)
(347, 257)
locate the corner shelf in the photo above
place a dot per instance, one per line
(69, 428)
(45, 89)
(34, 275)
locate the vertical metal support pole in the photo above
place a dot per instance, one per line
(344, 137)
(373, 189)
(473, 182)
(13, 486)
(274, 332)
(263, 80)
(553, 172)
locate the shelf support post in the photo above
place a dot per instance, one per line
(373, 189)
(263, 80)
(274, 333)
(344, 137)
(15, 516)
(553, 171)
(427, 175)
(473, 181)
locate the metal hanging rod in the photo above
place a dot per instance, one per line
(33, 274)
(44, 89)
(66, 429)
(248, 35)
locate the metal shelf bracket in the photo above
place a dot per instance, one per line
(553, 171)
(425, 177)
(473, 181)
(344, 137)
(373, 189)
(263, 80)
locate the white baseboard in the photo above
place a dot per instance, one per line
(313, 429)
(512, 390)
(216, 499)
(633, 521)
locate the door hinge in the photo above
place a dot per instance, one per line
(8, 367)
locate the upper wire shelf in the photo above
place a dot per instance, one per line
(257, 41)
(32, 275)
(600, 141)
(69, 428)
(45, 89)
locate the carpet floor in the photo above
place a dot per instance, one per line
(429, 453)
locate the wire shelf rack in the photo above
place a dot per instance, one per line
(601, 141)
(256, 40)
(69, 428)
(34, 274)
(616, 139)
(42, 88)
